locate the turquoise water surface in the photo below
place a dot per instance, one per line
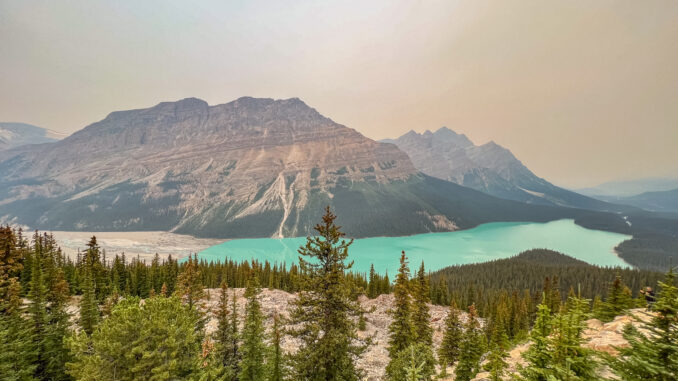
(480, 244)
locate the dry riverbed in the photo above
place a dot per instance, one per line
(142, 244)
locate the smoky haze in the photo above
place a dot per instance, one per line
(582, 92)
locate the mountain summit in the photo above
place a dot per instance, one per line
(249, 168)
(489, 168)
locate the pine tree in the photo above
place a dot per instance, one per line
(93, 264)
(155, 340)
(225, 352)
(38, 305)
(652, 355)
(17, 354)
(252, 364)
(539, 355)
(276, 370)
(571, 361)
(89, 309)
(189, 284)
(448, 353)
(471, 349)
(416, 362)
(325, 310)
(618, 300)
(421, 318)
(401, 331)
(496, 360)
(372, 285)
(56, 354)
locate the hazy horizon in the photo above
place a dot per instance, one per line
(582, 93)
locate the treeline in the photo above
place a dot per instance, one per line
(137, 277)
(531, 272)
(650, 251)
(119, 337)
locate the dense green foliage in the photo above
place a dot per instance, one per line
(253, 348)
(652, 355)
(410, 333)
(471, 348)
(651, 251)
(155, 339)
(483, 283)
(325, 316)
(141, 320)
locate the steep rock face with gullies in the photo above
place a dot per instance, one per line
(489, 168)
(248, 168)
(191, 164)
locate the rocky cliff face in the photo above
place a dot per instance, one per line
(248, 168)
(188, 164)
(489, 168)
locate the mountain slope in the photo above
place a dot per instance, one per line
(629, 188)
(660, 201)
(17, 134)
(489, 168)
(248, 168)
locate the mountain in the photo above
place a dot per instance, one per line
(248, 168)
(628, 188)
(489, 168)
(18, 134)
(660, 201)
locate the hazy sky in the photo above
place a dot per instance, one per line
(581, 91)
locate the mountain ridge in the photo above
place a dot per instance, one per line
(489, 168)
(253, 167)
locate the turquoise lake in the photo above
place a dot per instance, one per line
(480, 244)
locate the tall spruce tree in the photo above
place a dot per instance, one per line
(324, 314)
(471, 349)
(496, 360)
(539, 355)
(571, 360)
(372, 286)
(253, 362)
(618, 300)
(276, 371)
(653, 354)
(189, 283)
(225, 352)
(448, 353)
(38, 304)
(401, 331)
(17, 355)
(421, 318)
(56, 354)
(89, 309)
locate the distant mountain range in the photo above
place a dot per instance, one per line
(626, 188)
(489, 168)
(258, 168)
(17, 134)
(660, 201)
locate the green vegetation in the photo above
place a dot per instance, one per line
(147, 321)
(325, 312)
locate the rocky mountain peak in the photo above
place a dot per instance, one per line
(489, 167)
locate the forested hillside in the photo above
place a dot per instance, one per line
(147, 321)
